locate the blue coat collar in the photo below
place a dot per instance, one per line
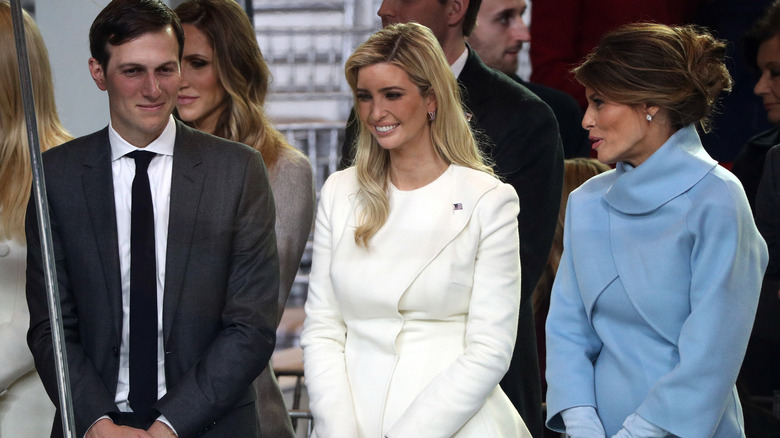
(673, 169)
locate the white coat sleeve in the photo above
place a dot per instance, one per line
(324, 336)
(16, 357)
(461, 389)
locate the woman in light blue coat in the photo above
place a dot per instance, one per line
(658, 284)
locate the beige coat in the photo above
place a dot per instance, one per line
(293, 189)
(372, 371)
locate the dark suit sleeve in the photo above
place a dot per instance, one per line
(530, 158)
(768, 208)
(759, 368)
(90, 396)
(225, 370)
(767, 324)
(569, 115)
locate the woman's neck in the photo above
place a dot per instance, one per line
(411, 172)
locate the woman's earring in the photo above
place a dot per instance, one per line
(431, 115)
(649, 118)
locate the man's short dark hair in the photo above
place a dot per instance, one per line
(125, 20)
(470, 19)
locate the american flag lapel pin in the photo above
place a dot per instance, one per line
(457, 206)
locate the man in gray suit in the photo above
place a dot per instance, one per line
(212, 275)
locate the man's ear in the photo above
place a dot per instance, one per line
(456, 11)
(98, 74)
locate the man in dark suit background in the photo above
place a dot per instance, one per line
(521, 137)
(497, 39)
(214, 261)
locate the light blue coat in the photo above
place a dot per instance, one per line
(655, 295)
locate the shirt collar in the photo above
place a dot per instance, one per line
(459, 63)
(162, 145)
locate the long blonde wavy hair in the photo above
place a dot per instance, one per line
(414, 49)
(15, 172)
(242, 71)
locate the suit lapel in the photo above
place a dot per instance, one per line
(186, 187)
(98, 185)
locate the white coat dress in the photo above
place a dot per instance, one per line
(410, 337)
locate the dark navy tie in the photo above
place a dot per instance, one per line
(143, 291)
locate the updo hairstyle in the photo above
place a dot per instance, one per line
(678, 69)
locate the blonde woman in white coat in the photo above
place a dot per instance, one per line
(25, 410)
(412, 309)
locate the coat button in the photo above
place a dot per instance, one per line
(115, 351)
(209, 427)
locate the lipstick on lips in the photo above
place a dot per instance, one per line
(185, 100)
(595, 142)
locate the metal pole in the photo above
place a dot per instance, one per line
(44, 224)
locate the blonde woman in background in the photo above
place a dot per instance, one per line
(415, 284)
(25, 409)
(224, 85)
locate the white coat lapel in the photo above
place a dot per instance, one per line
(466, 188)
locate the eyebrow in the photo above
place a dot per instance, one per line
(195, 55)
(385, 89)
(144, 66)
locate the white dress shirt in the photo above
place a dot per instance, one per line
(159, 171)
(459, 63)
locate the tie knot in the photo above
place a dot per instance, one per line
(142, 160)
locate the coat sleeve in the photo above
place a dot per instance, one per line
(768, 209)
(727, 263)
(293, 190)
(91, 398)
(324, 335)
(17, 360)
(572, 344)
(461, 389)
(529, 157)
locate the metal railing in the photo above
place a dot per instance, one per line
(320, 142)
(309, 60)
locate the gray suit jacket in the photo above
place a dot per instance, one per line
(221, 282)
